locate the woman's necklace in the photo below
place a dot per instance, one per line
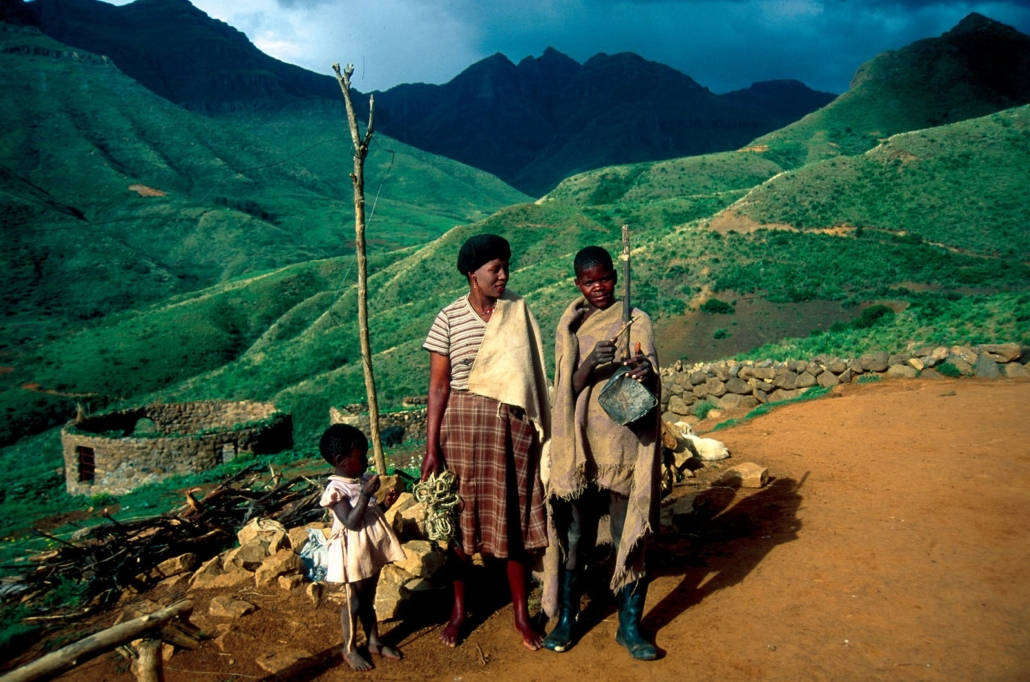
(482, 310)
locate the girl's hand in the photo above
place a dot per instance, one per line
(371, 485)
(391, 496)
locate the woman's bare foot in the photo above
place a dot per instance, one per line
(531, 639)
(356, 661)
(385, 650)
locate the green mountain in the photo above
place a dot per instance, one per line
(976, 68)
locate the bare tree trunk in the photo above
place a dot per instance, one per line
(68, 657)
(357, 178)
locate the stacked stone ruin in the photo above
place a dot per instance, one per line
(730, 385)
(118, 451)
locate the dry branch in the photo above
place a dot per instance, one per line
(74, 654)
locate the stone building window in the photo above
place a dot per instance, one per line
(228, 452)
(87, 464)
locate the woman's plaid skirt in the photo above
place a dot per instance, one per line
(494, 451)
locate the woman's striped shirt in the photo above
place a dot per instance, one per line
(457, 333)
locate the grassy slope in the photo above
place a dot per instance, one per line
(77, 134)
(302, 351)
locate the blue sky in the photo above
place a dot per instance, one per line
(722, 44)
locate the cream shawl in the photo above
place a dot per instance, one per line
(509, 366)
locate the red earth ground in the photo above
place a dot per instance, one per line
(891, 542)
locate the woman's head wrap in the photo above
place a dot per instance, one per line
(481, 249)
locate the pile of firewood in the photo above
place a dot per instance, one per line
(116, 555)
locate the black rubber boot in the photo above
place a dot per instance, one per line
(631, 606)
(560, 638)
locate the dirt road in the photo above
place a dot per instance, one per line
(893, 542)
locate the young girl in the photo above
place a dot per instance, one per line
(361, 542)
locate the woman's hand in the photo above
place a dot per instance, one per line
(430, 463)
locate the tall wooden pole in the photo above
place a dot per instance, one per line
(357, 178)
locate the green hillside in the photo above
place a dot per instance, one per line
(962, 186)
(112, 196)
(301, 351)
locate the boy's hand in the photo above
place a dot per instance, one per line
(370, 486)
(603, 353)
(391, 496)
(639, 365)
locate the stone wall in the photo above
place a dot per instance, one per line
(730, 384)
(117, 451)
(412, 420)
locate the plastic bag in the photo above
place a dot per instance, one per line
(315, 555)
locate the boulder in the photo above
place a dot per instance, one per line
(228, 606)
(986, 368)
(421, 558)
(787, 380)
(266, 530)
(805, 379)
(410, 522)
(290, 581)
(827, 379)
(746, 475)
(732, 401)
(281, 563)
(964, 353)
(1002, 352)
(390, 592)
(1014, 370)
(247, 557)
(905, 371)
(874, 362)
(678, 406)
(176, 565)
(738, 386)
(715, 387)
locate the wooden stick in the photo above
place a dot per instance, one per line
(72, 655)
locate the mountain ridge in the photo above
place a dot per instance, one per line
(531, 124)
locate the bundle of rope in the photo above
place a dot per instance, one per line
(439, 493)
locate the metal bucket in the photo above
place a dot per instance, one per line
(625, 399)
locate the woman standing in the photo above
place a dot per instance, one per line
(488, 417)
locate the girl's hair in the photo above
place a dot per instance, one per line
(592, 256)
(338, 441)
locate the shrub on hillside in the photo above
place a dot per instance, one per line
(718, 307)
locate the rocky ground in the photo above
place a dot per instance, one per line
(890, 542)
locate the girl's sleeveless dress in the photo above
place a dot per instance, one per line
(357, 554)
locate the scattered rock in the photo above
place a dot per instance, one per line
(746, 475)
(228, 606)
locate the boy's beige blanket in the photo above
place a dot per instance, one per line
(509, 366)
(587, 446)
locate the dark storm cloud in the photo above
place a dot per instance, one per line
(722, 44)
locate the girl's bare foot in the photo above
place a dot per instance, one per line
(356, 661)
(452, 632)
(385, 650)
